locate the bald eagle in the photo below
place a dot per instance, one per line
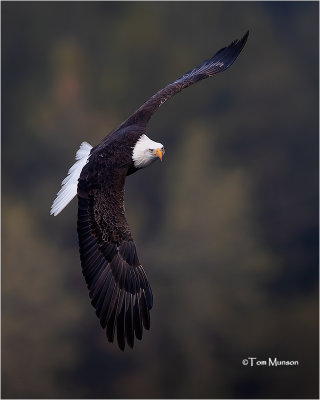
(117, 283)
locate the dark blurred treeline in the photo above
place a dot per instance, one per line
(226, 226)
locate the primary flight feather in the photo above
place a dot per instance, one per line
(117, 283)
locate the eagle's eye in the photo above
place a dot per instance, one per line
(151, 150)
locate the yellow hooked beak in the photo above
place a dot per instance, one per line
(158, 153)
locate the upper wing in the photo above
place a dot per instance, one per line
(118, 286)
(218, 63)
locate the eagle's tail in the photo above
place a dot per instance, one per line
(70, 183)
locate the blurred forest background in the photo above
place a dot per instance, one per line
(226, 226)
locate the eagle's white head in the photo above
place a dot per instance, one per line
(146, 151)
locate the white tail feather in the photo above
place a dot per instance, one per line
(70, 183)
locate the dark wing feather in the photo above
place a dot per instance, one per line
(218, 63)
(118, 286)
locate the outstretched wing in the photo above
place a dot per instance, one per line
(118, 286)
(218, 63)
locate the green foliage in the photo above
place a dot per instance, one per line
(226, 226)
